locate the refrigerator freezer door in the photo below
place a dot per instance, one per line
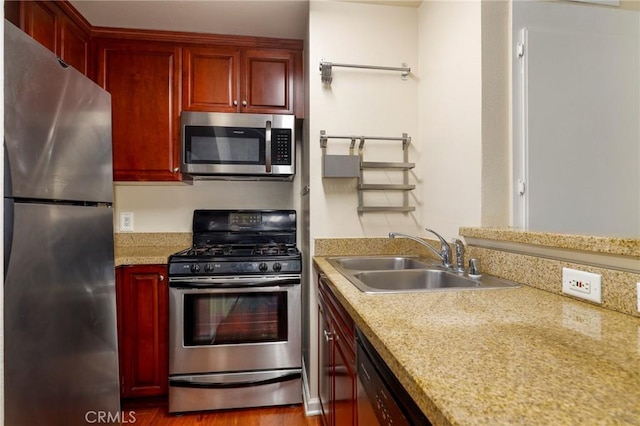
(60, 316)
(57, 126)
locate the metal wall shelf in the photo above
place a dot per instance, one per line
(334, 166)
(380, 165)
(326, 69)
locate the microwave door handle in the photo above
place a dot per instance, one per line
(267, 137)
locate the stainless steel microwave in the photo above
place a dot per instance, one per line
(238, 146)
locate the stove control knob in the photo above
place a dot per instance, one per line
(277, 267)
(195, 268)
(209, 267)
(263, 267)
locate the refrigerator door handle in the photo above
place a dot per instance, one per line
(9, 208)
(8, 183)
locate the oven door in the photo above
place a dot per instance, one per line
(230, 328)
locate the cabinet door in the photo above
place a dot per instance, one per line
(74, 45)
(210, 79)
(325, 366)
(40, 21)
(337, 360)
(55, 25)
(144, 81)
(142, 300)
(345, 390)
(268, 81)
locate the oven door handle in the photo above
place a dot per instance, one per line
(278, 378)
(194, 282)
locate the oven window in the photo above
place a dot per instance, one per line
(224, 145)
(233, 318)
(221, 150)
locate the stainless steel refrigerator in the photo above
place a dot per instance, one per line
(60, 340)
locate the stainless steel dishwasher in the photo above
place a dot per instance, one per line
(381, 398)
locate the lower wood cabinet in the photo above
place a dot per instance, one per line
(336, 360)
(142, 298)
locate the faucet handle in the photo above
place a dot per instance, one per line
(442, 240)
(459, 246)
(474, 267)
(445, 249)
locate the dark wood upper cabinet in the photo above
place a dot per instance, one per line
(55, 25)
(211, 79)
(268, 81)
(41, 21)
(222, 79)
(74, 46)
(144, 81)
(154, 75)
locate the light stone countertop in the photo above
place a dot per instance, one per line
(608, 245)
(148, 248)
(145, 255)
(503, 357)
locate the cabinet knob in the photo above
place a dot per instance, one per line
(244, 103)
(327, 335)
(235, 103)
(176, 169)
(161, 278)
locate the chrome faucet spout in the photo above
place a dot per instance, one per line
(445, 251)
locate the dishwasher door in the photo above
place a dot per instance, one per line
(381, 398)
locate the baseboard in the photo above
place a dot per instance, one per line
(311, 405)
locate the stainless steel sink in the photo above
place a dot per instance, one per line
(402, 274)
(377, 263)
(417, 280)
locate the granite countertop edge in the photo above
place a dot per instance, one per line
(144, 255)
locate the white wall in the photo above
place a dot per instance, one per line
(450, 114)
(363, 102)
(496, 113)
(360, 102)
(169, 208)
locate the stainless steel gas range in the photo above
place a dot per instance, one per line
(235, 313)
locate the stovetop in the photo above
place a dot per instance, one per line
(229, 251)
(216, 261)
(240, 242)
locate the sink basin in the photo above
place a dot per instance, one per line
(403, 274)
(418, 280)
(378, 263)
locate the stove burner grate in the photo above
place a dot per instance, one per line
(228, 250)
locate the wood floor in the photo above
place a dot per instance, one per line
(272, 416)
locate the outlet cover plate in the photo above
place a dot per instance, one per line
(126, 222)
(584, 285)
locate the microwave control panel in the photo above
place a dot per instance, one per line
(281, 144)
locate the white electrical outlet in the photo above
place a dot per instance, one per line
(126, 222)
(584, 285)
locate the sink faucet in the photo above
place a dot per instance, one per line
(445, 251)
(459, 254)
